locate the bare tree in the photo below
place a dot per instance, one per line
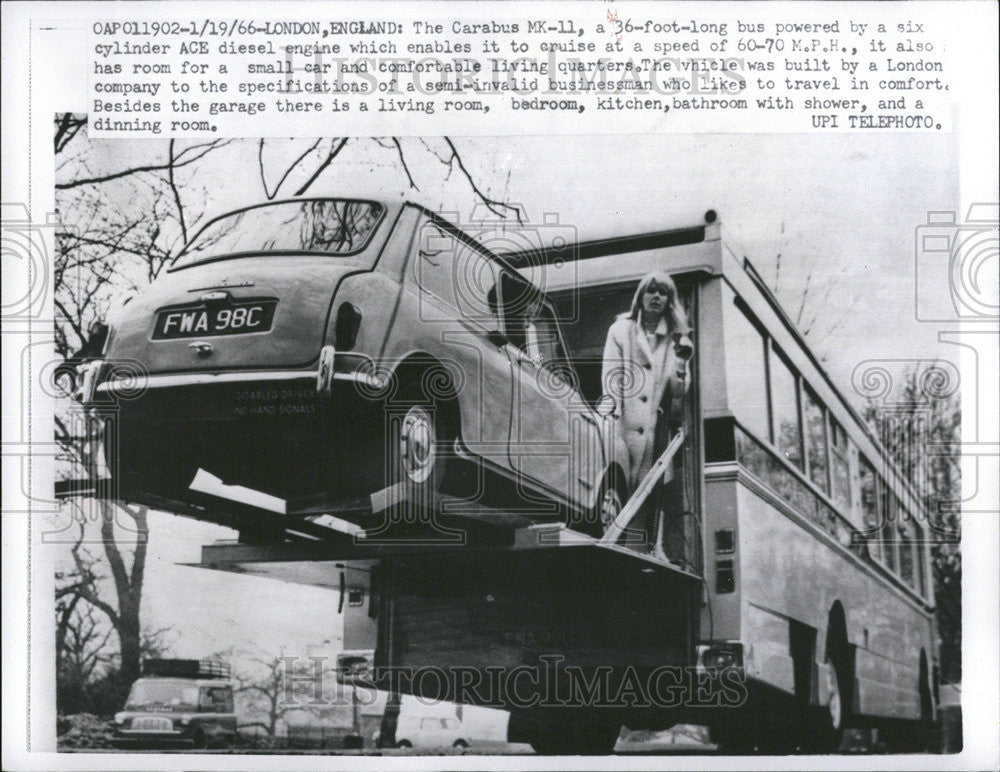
(808, 300)
(920, 427)
(275, 687)
(85, 623)
(84, 589)
(81, 638)
(110, 248)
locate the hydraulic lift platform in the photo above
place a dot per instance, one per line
(461, 529)
(480, 606)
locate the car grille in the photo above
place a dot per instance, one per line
(153, 724)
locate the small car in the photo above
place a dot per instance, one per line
(428, 732)
(317, 350)
(191, 712)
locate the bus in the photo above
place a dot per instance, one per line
(788, 600)
(817, 566)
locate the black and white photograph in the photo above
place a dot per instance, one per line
(475, 450)
(608, 470)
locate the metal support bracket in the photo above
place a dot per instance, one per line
(644, 489)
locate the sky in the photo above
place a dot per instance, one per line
(843, 207)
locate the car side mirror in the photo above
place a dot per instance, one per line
(605, 405)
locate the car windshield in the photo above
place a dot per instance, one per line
(319, 226)
(165, 694)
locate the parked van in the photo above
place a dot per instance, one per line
(178, 702)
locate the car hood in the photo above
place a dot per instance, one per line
(302, 285)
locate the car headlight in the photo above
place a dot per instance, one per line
(184, 721)
(119, 718)
(722, 656)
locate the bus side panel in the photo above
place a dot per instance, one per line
(786, 571)
(720, 620)
(514, 629)
(711, 340)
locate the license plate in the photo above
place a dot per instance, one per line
(203, 320)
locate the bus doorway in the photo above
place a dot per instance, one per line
(669, 527)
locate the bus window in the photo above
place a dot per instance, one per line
(905, 552)
(919, 550)
(812, 412)
(840, 478)
(745, 372)
(888, 531)
(785, 410)
(869, 505)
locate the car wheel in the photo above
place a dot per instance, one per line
(418, 447)
(198, 739)
(420, 440)
(404, 744)
(460, 744)
(353, 742)
(609, 504)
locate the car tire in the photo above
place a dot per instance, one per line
(198, 740)
(421, 436)
(461, 744)
(610, 501)
(404, 744)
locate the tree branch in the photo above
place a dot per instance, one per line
(334, 151)
(177, 163)
(402, 160)
(173, 188)
(260, 162)
(118, 571)
(802, 302)
(67, 127)
(141, 545)
(496, 207)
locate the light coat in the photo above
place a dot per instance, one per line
(642, 383)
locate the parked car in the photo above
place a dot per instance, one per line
(428, 732)
(178, 702)
(317, 350)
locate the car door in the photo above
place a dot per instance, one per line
(217, 703)
(430, 732)
(457, 320)
(555, 437)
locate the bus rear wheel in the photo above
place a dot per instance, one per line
(834, 716)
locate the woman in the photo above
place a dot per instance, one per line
(645, 370)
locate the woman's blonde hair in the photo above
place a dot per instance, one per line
(676, 317)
